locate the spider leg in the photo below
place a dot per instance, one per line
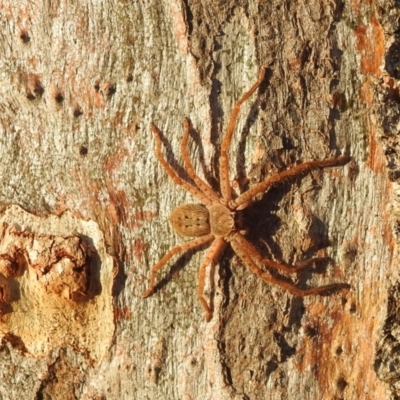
(249, 263)
(213, 254)
(310, 263)
(172, 173)
(206, 189)
(296, 172)
(226, 189)
(256, 256)
(178, 249)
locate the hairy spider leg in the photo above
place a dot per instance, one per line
(252, 251)
(249, 262)
(203, 186)
(212, 256)
(172, 173)
(308, 263)
(176, 250)
(226, 189)
(296, 172)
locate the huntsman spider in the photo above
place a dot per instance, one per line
(214, 220)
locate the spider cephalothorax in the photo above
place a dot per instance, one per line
(214, 220)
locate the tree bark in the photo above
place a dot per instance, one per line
(80, 84)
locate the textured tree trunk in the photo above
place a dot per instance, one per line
(80, 83)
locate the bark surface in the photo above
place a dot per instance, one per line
(81, 82)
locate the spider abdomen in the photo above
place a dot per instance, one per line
(190, 220)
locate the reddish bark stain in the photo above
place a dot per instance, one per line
(141, 216)
(123, 313)
(328, 350)
(180, 26)
(366, 95)
(118, 207)
(113, 162)
(112, 210)
(138, 247)
(97, 99)
(371, 45)
(376, 158)
(33, 61)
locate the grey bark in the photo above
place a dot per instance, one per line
(80, 83)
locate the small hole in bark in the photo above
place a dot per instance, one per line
(83, 150)
(108, 89)
(25, 37)
(38, 90)
(311, 331)
(77, 112)
(341, 384)
(59, 98)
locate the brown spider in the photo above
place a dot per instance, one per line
(214, 221)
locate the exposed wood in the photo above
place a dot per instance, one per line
(81, 81)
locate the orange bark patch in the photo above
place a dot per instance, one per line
(338, 353)
(371, 45)
(376, 159)
(118, 206)
(141, 216)
(366, 95)
(123, 313)
(138, 247)
(179, 25)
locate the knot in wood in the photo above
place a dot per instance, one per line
(190, 220)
